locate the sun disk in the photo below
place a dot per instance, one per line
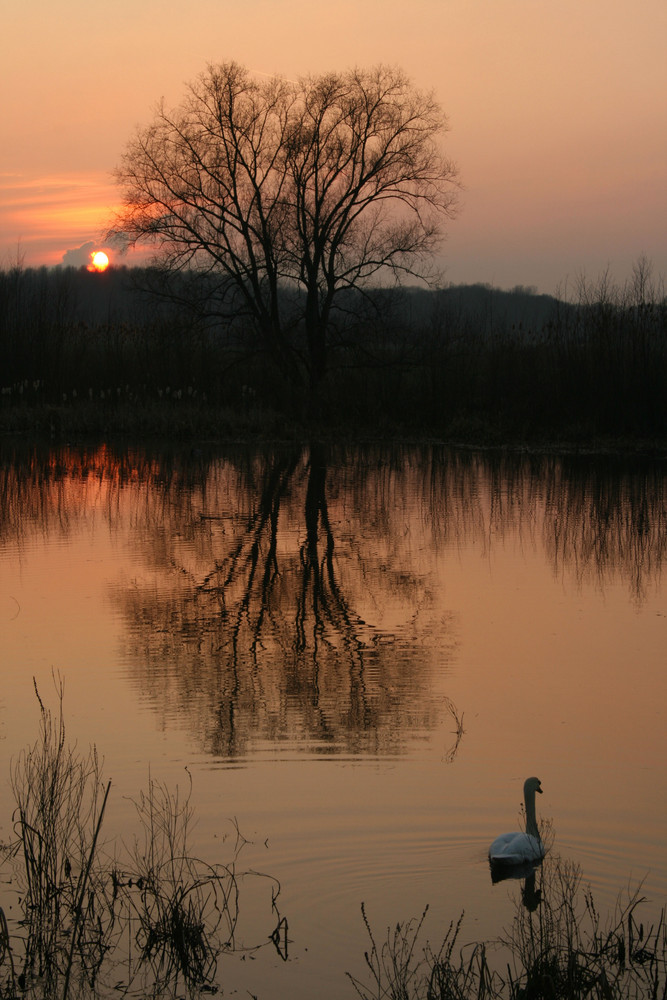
(98, 261)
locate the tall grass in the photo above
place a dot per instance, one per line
(566, 949)
(60, 803)
(155, 920)
(183, 911)
(558, 946)
(150, 917)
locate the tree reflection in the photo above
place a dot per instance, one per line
(254, 628)
(610, 522)
(288, 596)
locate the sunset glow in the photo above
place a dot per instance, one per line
(534, 94)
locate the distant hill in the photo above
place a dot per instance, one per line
(121, 295)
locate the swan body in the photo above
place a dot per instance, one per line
(521, 848)
(516, 849)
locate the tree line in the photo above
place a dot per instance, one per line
(471, 362)
(287, 218)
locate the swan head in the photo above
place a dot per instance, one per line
(532, 785)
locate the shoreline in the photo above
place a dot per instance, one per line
(215, 426)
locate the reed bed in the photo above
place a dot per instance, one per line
(151, 918)
(558, 947)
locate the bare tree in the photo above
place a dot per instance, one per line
(316, 186)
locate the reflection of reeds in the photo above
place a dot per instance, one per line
(559, 949)
(595, 516)
(458, 731)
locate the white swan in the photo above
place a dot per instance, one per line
(521, 848)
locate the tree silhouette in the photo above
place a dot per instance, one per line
(269, 185)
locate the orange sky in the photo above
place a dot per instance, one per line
(558, 114)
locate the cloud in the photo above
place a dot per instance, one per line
(80, 257)
(48, 213)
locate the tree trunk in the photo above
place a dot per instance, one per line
(316, 338)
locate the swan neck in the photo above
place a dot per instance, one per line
(531, 819)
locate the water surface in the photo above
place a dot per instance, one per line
(308, 631)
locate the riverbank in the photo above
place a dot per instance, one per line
(196, 423)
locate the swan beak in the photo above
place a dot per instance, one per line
(538, 789)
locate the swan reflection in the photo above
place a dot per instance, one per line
(531, 895)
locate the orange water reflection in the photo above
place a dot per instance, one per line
(297, 594)
(295, 625)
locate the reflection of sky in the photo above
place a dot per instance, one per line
(555, 672)
(535, 94)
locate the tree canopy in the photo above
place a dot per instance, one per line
(319, 185)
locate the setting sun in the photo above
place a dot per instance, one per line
(98, 261)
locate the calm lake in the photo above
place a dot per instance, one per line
(358, 654)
